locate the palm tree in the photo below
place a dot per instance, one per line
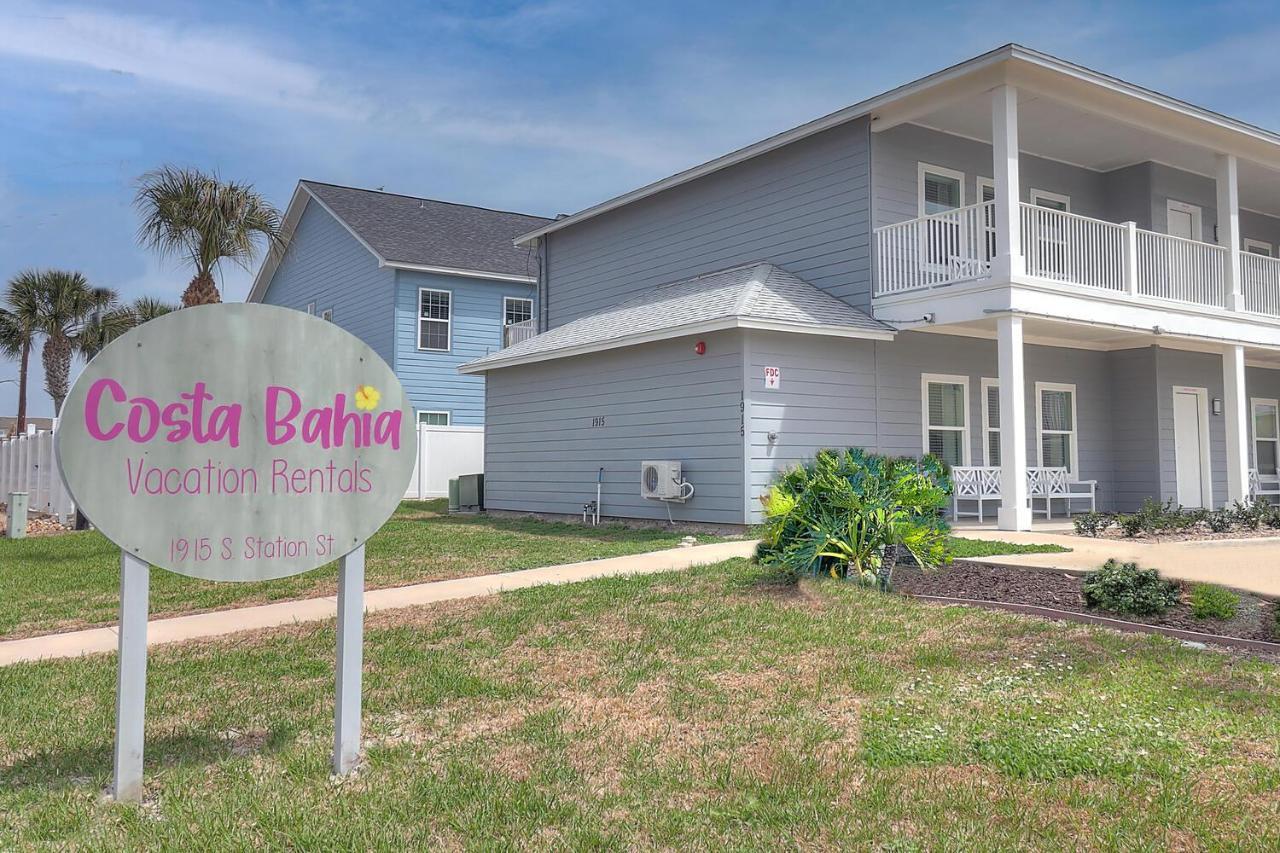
(68, 304)
(19, 321)
(104, 326)
(194, 215)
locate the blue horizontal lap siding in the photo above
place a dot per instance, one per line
(327, 266)
(431, 377)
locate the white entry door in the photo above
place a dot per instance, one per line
(1191, 446)
(1183, 219)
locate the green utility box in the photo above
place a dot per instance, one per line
(471, 493)
(453, 495)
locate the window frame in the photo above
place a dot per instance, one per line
(449, 322)
(448, 417)
(327, 315)
(987, 384)
(1036, 195)
(1254, 402)
(926, 379)
(507, 299)
(1073, 470)
(311, 308)
(941, 171)
(1251, 243)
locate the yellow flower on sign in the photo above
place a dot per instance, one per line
(367, 397)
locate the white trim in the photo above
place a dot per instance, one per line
(311, 308)
(1037, 195)
(1197, 216)
(979, 182)
(1074, 432)
(985, 386)
(417, 418)
(1250, 243)
(1254, 402)
(719, 324)
(749, 505)
(1206, 472)
(941, 171)
(927, 379)
(507, 299)
(449, 333)
(495, 276)
(327, 315)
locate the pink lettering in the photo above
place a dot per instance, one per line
(93, 402)
(281, 429)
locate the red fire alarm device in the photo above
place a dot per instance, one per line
(700, 347)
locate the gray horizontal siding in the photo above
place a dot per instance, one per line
(1133, 390)
(804, 207)
(659, 401)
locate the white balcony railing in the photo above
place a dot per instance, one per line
(514, 333)
(958, 245)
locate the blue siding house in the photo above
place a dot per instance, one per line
(428, 284)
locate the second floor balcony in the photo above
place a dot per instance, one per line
(959, 245)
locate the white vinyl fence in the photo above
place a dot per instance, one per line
(27, 465)
(445, 452)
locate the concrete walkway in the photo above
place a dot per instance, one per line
(222, 622)
(1248, 564)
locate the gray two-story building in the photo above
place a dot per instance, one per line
(1017, 264)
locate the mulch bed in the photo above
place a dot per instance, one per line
(1191, 535)
(1255, 618)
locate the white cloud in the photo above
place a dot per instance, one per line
(219, 63)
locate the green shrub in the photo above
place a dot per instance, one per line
(1220, 520)
(1273, 518)
(1132, 525)
(1250, 514)
(1092, 523)
(1213, 602)
(850, 513)
(1125, 588)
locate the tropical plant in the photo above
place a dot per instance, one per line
(204, 220)
(67, 304)
(104, 326)
(1125, 588)
(849, 514)
(19, 319)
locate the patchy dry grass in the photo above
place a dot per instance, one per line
(60, 583)
(714, 708)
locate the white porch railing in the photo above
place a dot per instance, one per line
(935, 250)
(514, 333)
(1260, 283)
(1064, 247)
(27, 464)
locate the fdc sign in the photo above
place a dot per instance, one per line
(236, 443)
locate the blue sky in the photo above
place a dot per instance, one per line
(543, 107)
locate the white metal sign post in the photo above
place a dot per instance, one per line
(236, 443)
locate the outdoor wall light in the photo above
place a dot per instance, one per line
(1217, 405)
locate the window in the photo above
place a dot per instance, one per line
(991, 422)
(1053, 201)
(434, 319)
(327, 314)
(1056, 426)
(1266, 435)
(940, 189)
(311, 308)
(986, 193)
(1257, 247)
(516, 310)
(433, 418)
(945, 401)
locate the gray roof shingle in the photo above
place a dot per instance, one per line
(758, 291)
(411, 230)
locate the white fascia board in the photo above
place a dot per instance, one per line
(495, 276)
(716, 325)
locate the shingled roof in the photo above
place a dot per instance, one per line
(755, 295)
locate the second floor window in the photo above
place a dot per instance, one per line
(435, 319)
(516, 311)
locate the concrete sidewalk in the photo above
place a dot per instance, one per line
(1247, 564)
(221, 622)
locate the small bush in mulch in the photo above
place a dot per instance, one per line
(1209, 601)
(1170, 521)
(1125, 588)
(1255, 618)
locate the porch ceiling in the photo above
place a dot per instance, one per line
(1087, 336)
(1071, 134)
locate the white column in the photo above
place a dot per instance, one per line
(350, 669)
(1229, 226)
(1235, 408)
(131, 679)
(1004, 148)
(1015, 514)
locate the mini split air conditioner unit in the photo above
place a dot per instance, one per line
(662, 481)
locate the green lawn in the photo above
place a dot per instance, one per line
(72, 581)
(960, 548)
(720, 707)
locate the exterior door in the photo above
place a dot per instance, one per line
(1183, 220)
(1190, 446)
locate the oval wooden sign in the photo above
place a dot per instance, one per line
(237, 442)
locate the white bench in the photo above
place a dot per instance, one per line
(982, 483)
(1263, 485)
